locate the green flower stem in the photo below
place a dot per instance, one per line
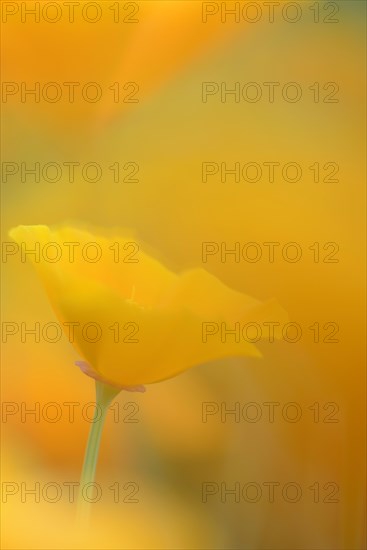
(104, 395)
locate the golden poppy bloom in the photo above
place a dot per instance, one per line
(132, 320)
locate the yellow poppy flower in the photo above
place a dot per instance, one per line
(133, 320)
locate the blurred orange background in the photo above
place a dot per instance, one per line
(170, 452)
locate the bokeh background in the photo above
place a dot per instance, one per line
(170, 452)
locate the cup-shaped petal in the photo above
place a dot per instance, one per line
(134, 321)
